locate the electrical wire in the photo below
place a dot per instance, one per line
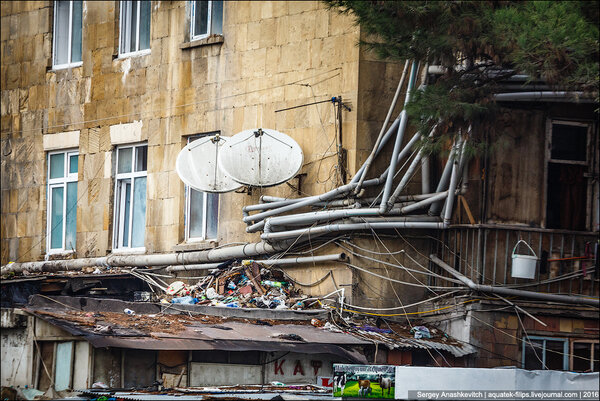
(371, 251)
(519, 339)
(150, 112)
(420, 285)
(394, 257)
(427, 273)
(405, 306)
(406, 313)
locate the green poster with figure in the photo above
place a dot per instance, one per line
(363, 381)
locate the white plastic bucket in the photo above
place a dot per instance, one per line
(523, 266)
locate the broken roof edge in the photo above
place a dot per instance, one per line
(153, 342)
(89, 304)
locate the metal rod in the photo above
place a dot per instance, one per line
(312, 217)
(384, 141)
(371, 156)
(403, 182)
(394, 159)
(184, 258)
(307, 104)
(570, 299)
(522, 310)
(344, 189)
(287, 261)
(451, 188)
(332, 228)
(549, 96)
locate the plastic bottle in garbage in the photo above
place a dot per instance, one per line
(270, 283)
(129, 311)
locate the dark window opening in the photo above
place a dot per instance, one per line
(569, 142)
(567, 196)
(229, 357)
(567, 188)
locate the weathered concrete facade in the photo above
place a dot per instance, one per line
(273, 55)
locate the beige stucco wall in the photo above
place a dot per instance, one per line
(274, 55)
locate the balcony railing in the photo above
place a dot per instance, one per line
(565, 265)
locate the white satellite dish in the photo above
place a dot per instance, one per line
(197, 165)
(261, 157)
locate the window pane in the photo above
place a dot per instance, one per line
(76, 33)
(133, 23)
(124, 26)
(144, 25)
(581, 357)
(139, 212)
(141, 158)
(57, 165)
(56, 218)
(201, 18)
(71, 229)
(531, 360)
(596, 357)
(73, 164)
(212, 215)
(128, 26)
(569, 142)
(555, 356)
(64, 356)
(196, 213)
(124, 162)
(124, 204)
(61, 33)
(217, 17)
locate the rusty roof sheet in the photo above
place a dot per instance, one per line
(227, 335)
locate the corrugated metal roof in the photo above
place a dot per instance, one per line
(228, 335)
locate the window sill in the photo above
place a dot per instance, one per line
(211, 40)
(133, 54)
(195, 246)
(129, 251)
(65, 66)
(59, 254)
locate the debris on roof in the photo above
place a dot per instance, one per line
(247, 284)
(173, 329)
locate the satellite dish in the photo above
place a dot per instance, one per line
(261, 157)
(197, 165)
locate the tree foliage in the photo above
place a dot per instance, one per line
(480, 43)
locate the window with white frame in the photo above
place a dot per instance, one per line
(62, 201)
(130, 196)
(67, 34)
(206, 19)
(135, 27)
(201, 211)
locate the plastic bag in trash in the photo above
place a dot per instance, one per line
(421, 332)
(185, 300)
(211, 293)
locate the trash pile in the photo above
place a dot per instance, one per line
(246, 285)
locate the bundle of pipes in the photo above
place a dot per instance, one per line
(348, 214)
(389, 214)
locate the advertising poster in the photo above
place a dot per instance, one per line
(364, 381)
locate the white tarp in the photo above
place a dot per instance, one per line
(466, 383)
